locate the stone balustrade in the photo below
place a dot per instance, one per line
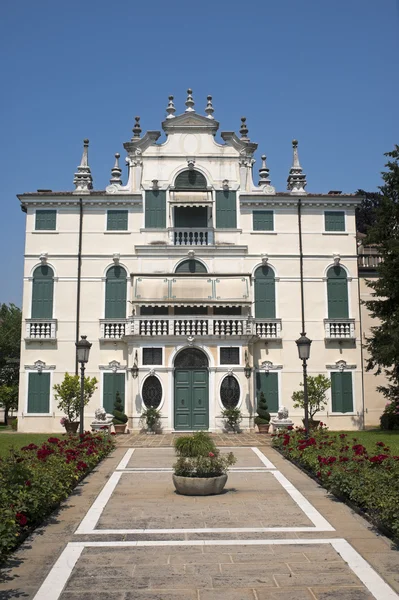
(191, 236)
(339, 329)
(41, 329)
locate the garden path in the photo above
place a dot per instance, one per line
(274, 535)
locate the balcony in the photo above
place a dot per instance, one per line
(339, 329)
(112, 329)
(41, 329)
(267, 328)
(191, 236)
(369, 261)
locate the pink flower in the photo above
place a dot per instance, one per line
(211, 455)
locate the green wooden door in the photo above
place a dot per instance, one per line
(191, 399)
(341, 392)
(337, 293)
(268, 384)
(42, 293)
(265, 294)
(115, 293)
(112, 383)
(39, 393)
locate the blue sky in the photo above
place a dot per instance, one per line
(323, 72)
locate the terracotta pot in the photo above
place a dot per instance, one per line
(199, 486)
(71, 426)
(264, 427)
(120, 427)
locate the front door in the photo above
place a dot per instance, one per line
(191, 399)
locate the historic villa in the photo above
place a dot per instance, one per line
(186, 278)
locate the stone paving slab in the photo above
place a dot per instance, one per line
(164, 440)
(162, 458)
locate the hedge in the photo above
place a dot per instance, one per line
(367, 479)
(34, 480)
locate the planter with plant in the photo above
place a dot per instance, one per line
(68, 395)
(317, 400)
(200, 469)
(120, 419)
(233, 418)
(151, 419)
(263, 418)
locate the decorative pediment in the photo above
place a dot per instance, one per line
(341, 365)
(39, 366)
(190, 121)
(113, 366)
(267, 366)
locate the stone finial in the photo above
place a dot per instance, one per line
(170, 109)
(190, 101)
(83, 180)
(264, 172)
(296, 181)
(116, 171)
(244, 129)
(136, 128)
(209, 108)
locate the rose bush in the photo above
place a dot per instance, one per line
(34, 480)
(368, 479)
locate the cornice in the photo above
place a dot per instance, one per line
(166, 250)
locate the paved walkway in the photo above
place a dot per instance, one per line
(273, 535)
(164, 440)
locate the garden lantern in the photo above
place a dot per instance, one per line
(82, 354)
(303, 343)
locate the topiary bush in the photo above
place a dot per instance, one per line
(119, 415)
(199, 444)
(262, 409)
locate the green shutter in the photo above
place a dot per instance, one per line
(341, 392)
(337, 293)
(263, 220)
(39, 393)
(155, 209)
(268, 384)
(190, 180)
(334, 220)
(45, 220)
(190, 266)
(42, 293)
(112, 383)
(117, 220)
(226, 210)
(115, 293)
(265, 293)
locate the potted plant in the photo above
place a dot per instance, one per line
(120, 419)
(68, 395)
(200, 469)
(263, 418)
(317, 388)
(151, 417)
(233, 418)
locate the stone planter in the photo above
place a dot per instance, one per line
(71, 426)
(313, 424)
(120, 427)
(264, 427)
(199, 486)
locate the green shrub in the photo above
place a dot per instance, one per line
(119, 414)
(68, 394)
(232, 417)
(389, 419)
(198, 444)
(34, 480)
(317, 399)
(151, 417)
(211, 465)
(262, 409)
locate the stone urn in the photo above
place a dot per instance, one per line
(199, 486)
(71, 426)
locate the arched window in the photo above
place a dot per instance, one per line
(265, 293)
(42, 293)
(152, 392)
(337, 293)
(191, 358)
(230, 392)
(190, 180)
(191, 266)
(115, 293)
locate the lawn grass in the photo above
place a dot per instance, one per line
(370, 437)
(17, 440)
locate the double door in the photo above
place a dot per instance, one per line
(191, 399)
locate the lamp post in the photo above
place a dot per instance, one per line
(82, 355)
(303, 344)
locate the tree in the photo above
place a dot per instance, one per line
(68, 394)
(366, 213)
(383, 344)
(10, 343)
(317, 388)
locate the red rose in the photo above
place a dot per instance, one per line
(211, 455)
(21, 518)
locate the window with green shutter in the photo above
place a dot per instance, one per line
(39, 393)
(46, 220)
(190, 266)
(334, 220)
(155, 209)
(226, 210)
(341, 392)
(115, 293)
(268, 384)
(190, 180)
(112, 383)
(263, 220)
(117, 220)
(265, 293)
(42, 293)
(337, 293)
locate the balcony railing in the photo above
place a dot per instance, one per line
(369, 261)
(339, 329)
(41, 329)
(112, 329)
(268, 328)
(191, 236)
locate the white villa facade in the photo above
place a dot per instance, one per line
(187, 281)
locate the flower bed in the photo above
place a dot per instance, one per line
(368, 479)
(34, 480)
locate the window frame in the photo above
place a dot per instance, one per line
(48, 210)
(334, 232)
(116, 210)
(235, 364)
(240, 385)
(149, 374)
(264, 211)
(161, 348)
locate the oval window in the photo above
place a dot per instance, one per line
(230, 392)
(152, 392)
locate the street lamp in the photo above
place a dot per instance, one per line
(82, 353)
(304, 344)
